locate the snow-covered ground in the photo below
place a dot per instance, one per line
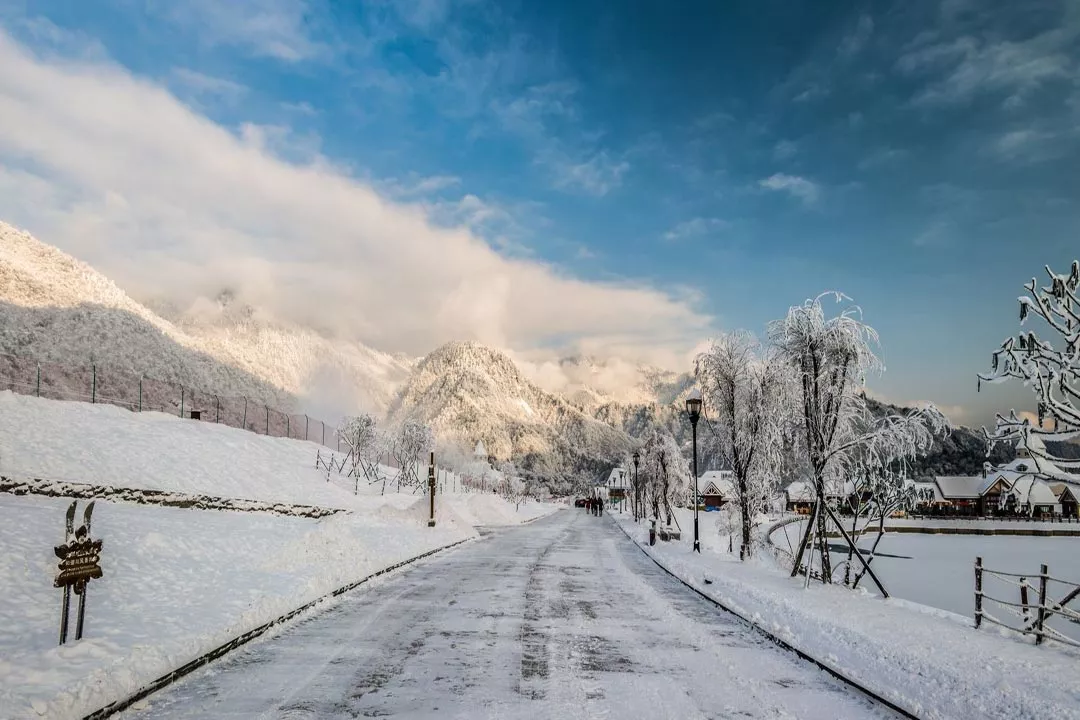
(939, 570)
(179, 582)
(932, 662)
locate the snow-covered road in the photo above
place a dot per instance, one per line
(563, 618)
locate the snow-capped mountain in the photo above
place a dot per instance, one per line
(471, 393)
(57, 309)
(591, 382)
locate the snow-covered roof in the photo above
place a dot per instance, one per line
(716, 475)
(618, 478)
(1064, 490)
(928, 486)
(1030, 490)
(803, 491)
(799, 491)
(1036, 464)
(480, 451)
(962, 487)
(722, 486)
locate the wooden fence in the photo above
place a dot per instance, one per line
(1031, 617)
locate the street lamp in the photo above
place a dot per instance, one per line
(693, 411)
(637, 457)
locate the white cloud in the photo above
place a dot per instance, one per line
(301, 108)
(799, 187)
(1024, 145)
(203, 84)
(264, 28)
(882, 156)
(966, 67)
(784, 150)
(575, 160)
(596, 174)
(414, 185)
(856, 40)
(694, 228)
(116, 170)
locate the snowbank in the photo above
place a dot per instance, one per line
(181, 581)
(176, 584)
(83, 443)
(931, 662)
(490, 510)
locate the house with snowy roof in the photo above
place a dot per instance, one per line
(800, 496)
(1029, 485)
(716, 488)
(1068, 497)
(618, 483)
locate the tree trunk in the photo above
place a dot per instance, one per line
(744, 511)
(822, 537)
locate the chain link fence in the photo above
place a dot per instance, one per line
(101, 384)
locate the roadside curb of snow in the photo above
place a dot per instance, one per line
(241, 640)
(165, 498)
(777, 640)
(540, 517)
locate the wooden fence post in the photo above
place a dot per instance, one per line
(181, 401)
(140, 393)
(1041, 617)
(288, 426)
(978, 592)
(93, 386)
(245, 414)
(267, 419)
(307, 424)
(38, 390)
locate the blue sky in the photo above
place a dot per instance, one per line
(731, 158)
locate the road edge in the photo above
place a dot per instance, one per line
(241, 640)
(904, 712)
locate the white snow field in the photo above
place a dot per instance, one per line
(938, 570)
(179, 582)
(931, 662)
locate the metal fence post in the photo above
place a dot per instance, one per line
(1041, 617)
(978, 592)
(93, 384)
(38, 390)
(288, 425)
(307, 424)
(217, 409)
(181, 401)
(323, 423)
(267, 419)
(245, 414)
(140, 393)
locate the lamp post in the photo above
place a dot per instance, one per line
(693, 411)
(637, 457)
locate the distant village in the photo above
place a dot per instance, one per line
(1030, 486)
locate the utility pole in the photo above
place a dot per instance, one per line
(431, 488)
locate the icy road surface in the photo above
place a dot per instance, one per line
(563, 618)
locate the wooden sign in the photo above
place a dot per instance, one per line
(79, 564)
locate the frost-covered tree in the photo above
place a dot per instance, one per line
(879, 484)
(747, 406)
(663, 474)
(831, 356)
(1053, 374)
(411, 442)
(360, 434)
